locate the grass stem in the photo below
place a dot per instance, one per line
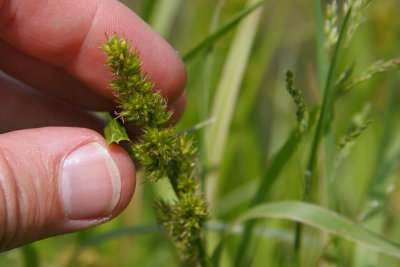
(323, 122)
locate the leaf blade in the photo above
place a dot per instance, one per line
(323, 219)
(208, 41)
(114, 132)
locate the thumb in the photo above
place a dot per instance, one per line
(57, 180)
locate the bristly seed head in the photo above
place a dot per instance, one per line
(160, 150)
(134, 92)
(301, 112)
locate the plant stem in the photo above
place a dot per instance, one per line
(323, 122)
(321, 54)
(209, 56)
(203, 260)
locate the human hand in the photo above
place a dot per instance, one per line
(55, 180)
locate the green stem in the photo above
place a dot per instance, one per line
(321, 54)
(205, 94)
(203, 260)
(323, 121)
(326, 108)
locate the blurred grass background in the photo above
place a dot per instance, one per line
(262, 115)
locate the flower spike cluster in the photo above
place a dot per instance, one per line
(297, 95)
(160, 150)
(134, 91)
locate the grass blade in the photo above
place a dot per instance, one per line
(320, 41)
(318, 217)
(227, 93)
(120, 232)
(323, 120)
(271, 175)
(117, 233)
(206, 74)
(163, 16)
(30, 255)
(326, 108)
(235, 198)
(326, 220)
(207, 42)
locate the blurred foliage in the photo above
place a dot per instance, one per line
(366, 177)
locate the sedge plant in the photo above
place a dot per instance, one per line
(310, 161)
(165, 153)
(279, 164)
(160, 149)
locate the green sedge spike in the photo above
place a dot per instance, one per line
(161, 151)
(134, 91)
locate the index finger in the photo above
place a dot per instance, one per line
(67, 34)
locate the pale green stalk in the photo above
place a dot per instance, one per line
(207, 71)
(322, 57)
(323, 122)
(227, 93)
(163, 16)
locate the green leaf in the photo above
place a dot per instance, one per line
(114, 131)
(271, 174)
(321, 54)
(210, 40)
(323, 219)
(120, 232)
(30, 255)
(227, 92)
(164, 15)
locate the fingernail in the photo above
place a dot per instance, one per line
(90, 182)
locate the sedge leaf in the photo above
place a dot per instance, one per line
(318, 217)
(326, 220)
(225, 28)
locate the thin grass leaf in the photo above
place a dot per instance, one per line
(270, 176)
(227, 92)
(330, 171)
(275, 167)
(113, 234)
(386, 157)
(120, 232)
(284, 235)
(322, 58)
(326, 108)
(147, 9)
(200, 125)
(164, 15)
(324, 120)
(325, 220)
(235, 198)
(211, 39)
(30, 255)
(314, 216)
(261, 62)
(378, 186)
(206, 78)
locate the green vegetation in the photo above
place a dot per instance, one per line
(299, 168)
(159, 149)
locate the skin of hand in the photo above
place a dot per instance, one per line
(57, 174)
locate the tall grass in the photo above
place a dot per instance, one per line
(280, 193)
